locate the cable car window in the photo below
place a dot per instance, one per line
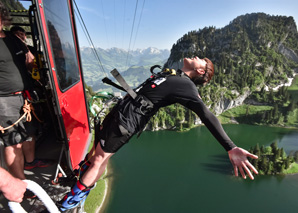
(62, 42)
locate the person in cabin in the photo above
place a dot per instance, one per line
(15, 59)
(131, 114)
(33, 124)
(21, 34)
(29, 153)
(12, 188)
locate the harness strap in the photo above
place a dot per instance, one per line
(110, 82)
(123, 83)
(145, 103)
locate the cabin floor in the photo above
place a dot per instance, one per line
(50, 149)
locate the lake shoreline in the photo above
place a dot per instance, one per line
(107, 191)
(207, 165)
(109, 180)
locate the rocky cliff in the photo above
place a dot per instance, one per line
(252, 52)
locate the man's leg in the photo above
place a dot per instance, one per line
(81, 189)
(29, 154)
(15, 160)
(29, 150)
(98, 164)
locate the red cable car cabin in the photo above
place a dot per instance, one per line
(55, 19)
(66, 132)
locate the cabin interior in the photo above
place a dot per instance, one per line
(50, 144)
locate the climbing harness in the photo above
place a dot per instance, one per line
(141, 105)
(133, 93)
(157, 78)
(145, 104)
(27, 110)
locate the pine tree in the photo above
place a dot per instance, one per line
(296, 156)
(291, 106)
(262, 149)
(264, 164)
(270, 168)
(257, 150)
(287, 162)
(274, 147)
(275, 111)
(190, 119)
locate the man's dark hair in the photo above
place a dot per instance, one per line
(17, 28)
(5, 17)
(209, 71)
(207, 76)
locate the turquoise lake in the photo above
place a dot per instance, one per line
(175, 172)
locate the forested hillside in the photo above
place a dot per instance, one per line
(252, 55)
(254, 50)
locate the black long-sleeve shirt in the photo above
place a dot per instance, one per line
(167, 91)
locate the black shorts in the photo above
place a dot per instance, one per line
(111, 138)
(11, 109)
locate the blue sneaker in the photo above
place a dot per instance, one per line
(75, 197)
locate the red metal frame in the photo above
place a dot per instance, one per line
(72, 102)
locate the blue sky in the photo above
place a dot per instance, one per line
(160, 23)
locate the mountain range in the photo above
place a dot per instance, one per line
(252, 55)
(134, 65)
(253, 51)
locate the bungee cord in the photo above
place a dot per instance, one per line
(104, 21)
(131, 33)
(139, 24)
(89, 38)
(131, 40)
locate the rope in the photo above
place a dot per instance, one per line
(33, 112)
(41, 194)
(27, 108)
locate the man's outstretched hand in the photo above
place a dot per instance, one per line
(238, 158)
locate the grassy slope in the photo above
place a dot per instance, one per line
(243, 114)
(292, 170)
(95, 197)
(293, 89)
(251, 114)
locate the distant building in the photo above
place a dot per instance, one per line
(118, 94)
